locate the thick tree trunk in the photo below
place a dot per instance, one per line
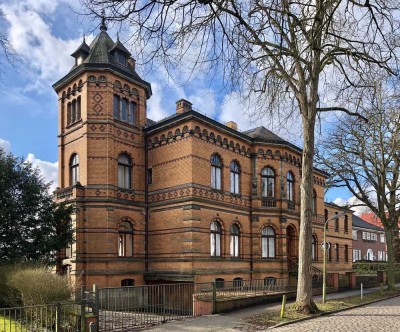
(304, 299)
(391, 257)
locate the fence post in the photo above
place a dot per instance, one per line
(214, 297)
(83, 316)
(58, 317)
(95, 300)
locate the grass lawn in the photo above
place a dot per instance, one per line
(272, 317)
(9, 325)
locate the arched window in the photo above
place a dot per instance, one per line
(268, 242)
(215, 239)
(74, 169)
(237, 282)
(314, 201)
(269, 281)
(127, 282)
(125, 239)
(216, 172)
(235, 178)
(370, 255)
(289, 186)
(124, 171)
(234, 245)
(268, 182)
(314, 248)
(219, 282)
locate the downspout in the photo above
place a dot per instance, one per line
(253, 158)
(146, 204)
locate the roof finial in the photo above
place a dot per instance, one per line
(103, 26)
(84, 38)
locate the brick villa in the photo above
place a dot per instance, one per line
(185, 199)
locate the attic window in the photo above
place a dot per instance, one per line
(121, 59)
(79, 60)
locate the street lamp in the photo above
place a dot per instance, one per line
(324, 248)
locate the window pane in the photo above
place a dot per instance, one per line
(232, 182)
(271, 186)
(129, 244)
(212, 244)
(217, 245)
(263, 187)
(236, 183)
(131, 119)
(271, 247)
(218, 179)
(123, 109)
(213, 180)
(116, 107)
(264, 245)
(120, 176)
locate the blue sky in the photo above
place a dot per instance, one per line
(45, 33)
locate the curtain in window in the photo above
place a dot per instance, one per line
(215, 239)
(267, 182)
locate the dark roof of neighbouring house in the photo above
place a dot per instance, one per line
(358, 222)
(264, 135)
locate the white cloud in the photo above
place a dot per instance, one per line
(203, 101)
(358, 210)
(5, 145)
(45, 57)
(48, 169)
(155, 110)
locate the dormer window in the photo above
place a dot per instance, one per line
(121, 59)
(79, 60)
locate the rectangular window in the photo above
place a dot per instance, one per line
(356, 255)
(124, 105)
(337, 252)
(346, 253)
(150, 176)
(121, 59)
(354, 234)
(131, 113)
(364, 235)
(116, 107)
(382, 238)
(368, 236)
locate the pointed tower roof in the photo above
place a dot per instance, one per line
(101, 55)
(83, 48)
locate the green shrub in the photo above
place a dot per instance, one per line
(37, 286)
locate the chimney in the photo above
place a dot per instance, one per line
(232, 125)
(183, 106)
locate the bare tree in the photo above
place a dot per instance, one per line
(6, 49)
(287, 51)
(365, 158)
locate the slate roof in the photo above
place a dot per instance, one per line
(100, 57)
(358, 222)
(265, 135)
(83, 48)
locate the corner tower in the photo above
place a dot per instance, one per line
(101, 147)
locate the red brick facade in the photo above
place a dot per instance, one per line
(166, 224)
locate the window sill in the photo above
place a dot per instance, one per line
(73, 123)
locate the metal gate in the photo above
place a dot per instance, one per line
(132, 307)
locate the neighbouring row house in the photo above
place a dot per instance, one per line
(368, 241)
(184, 199)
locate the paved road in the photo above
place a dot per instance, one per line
(388, 312)
(380, 316)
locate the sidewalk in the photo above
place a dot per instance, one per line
(235, 320)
